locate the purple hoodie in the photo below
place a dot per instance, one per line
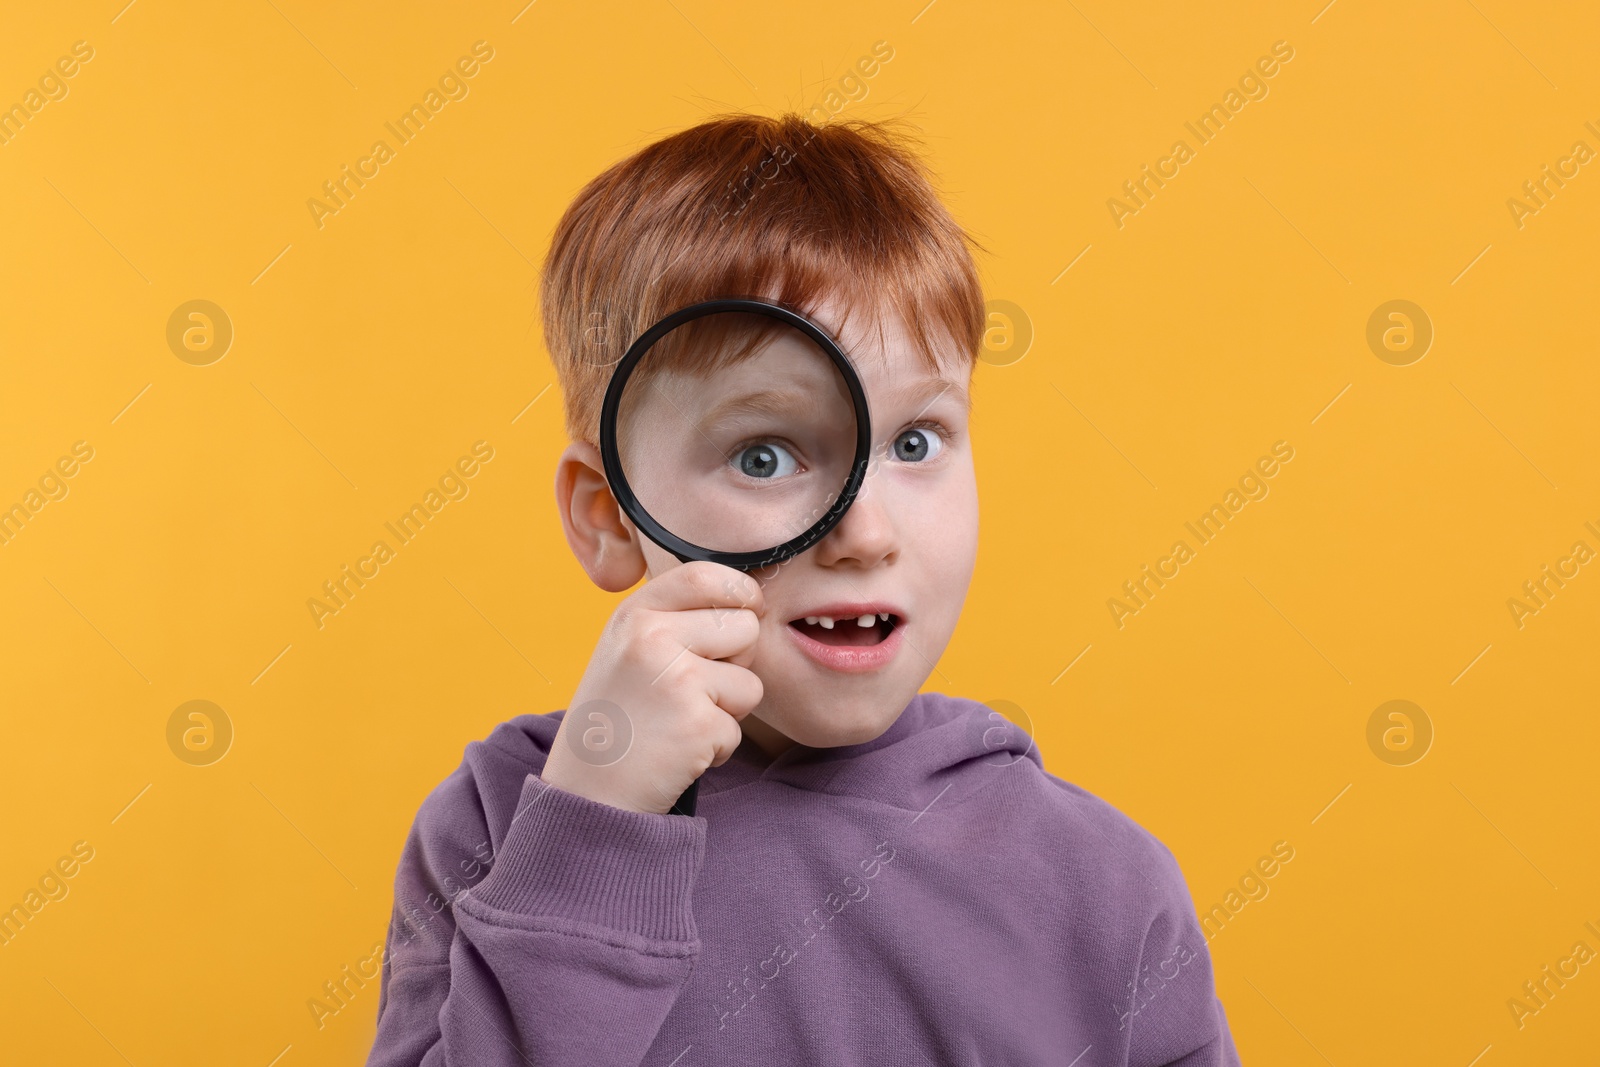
(932, 896)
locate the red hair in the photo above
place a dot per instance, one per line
(743, 205)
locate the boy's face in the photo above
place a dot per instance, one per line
(906, 546)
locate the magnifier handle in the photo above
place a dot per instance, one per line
(685, 803)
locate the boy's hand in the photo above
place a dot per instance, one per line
(664, 692)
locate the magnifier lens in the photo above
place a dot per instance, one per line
(736, 431)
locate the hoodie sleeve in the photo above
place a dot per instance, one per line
(1173, 1011)
(569, 948)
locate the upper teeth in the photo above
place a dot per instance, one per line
(827, 620)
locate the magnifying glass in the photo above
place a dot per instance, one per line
(736, 431)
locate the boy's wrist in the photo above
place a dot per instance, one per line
(572, 780)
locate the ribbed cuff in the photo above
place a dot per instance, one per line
(575, 858)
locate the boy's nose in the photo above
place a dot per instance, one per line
(866, 535)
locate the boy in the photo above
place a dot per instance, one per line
(873, 875)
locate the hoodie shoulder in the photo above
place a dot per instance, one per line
(1118, 883)
(1087, 837)
(1129, 857)
(1131, 892)
(492, 771)
(457, 833)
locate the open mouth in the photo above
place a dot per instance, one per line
(853, 630)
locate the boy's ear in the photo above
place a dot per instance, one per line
(605, 542)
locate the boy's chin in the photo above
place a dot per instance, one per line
(849, 722)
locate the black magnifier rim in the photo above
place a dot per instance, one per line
(686, 550)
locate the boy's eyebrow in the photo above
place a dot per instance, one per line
(924, 392)
(927, 391)
(763, 402)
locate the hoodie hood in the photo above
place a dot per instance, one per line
(939, 744)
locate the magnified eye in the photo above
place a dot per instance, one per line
(765, 460)
(915, 446)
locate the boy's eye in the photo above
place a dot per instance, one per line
(765, 460)
(914, 446)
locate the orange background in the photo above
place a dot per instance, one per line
(1228, 313)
